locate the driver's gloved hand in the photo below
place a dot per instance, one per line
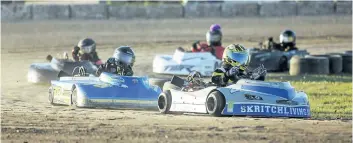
(233, 71)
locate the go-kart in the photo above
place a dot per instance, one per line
(245, 98)
(182, 63)
(45, 72)
(272, 59)
(107, 90)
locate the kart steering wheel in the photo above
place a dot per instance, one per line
(195, 77)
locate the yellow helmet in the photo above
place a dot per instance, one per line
(236, 55)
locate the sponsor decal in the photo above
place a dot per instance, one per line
(135, 81)
(179, 68)
(102, 85)
(272, 109)
(232, 90)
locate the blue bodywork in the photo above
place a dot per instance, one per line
(281, 101)
(107, 90)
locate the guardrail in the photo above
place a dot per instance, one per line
(192, 10)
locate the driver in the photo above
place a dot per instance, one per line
(86, 50)
(121, 63)
(235, 61)
(213, 42)
(287, 41)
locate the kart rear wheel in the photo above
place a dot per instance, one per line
(215, 103)
(74, 97)
(164, 102)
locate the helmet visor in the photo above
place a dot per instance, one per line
(213, 37)
(123, 57)
(241, 57)
(87, 49)
(286, 39)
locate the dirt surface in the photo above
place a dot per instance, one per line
(28, 117)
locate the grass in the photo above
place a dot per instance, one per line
(330, 96)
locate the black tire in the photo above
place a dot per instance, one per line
(168, 85)
(51, 96)
(335, 62)
(283, 64)
(347, 63)
(74, 96)
(158, 81)
(318, 65)
(215, 103)
(164, 102)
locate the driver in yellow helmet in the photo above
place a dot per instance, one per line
(235, 61)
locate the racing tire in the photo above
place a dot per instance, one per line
(215, 103)
(158, 81)
(297, 66)
(283, 64)
(168, 85)
(347, 63)
(73, 97)
(335, 62)
(318, 65)
(164, 102)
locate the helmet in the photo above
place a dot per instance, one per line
(215, 27)
(87, 45)
(214, 36)
(287, 37)
(125, 54)
(236, 55)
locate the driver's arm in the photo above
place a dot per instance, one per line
(102, 67)
(75, 52)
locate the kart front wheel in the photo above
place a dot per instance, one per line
(215, 103)
(164, 102)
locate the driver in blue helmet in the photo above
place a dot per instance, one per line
(235, 62)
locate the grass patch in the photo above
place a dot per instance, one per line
(330, 96)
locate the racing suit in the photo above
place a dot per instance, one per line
(115, 67)
(216, 50)
(78, 55)
(280, 46)
(222, 76)
(226, 73)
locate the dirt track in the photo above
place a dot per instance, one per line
(27, 116)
